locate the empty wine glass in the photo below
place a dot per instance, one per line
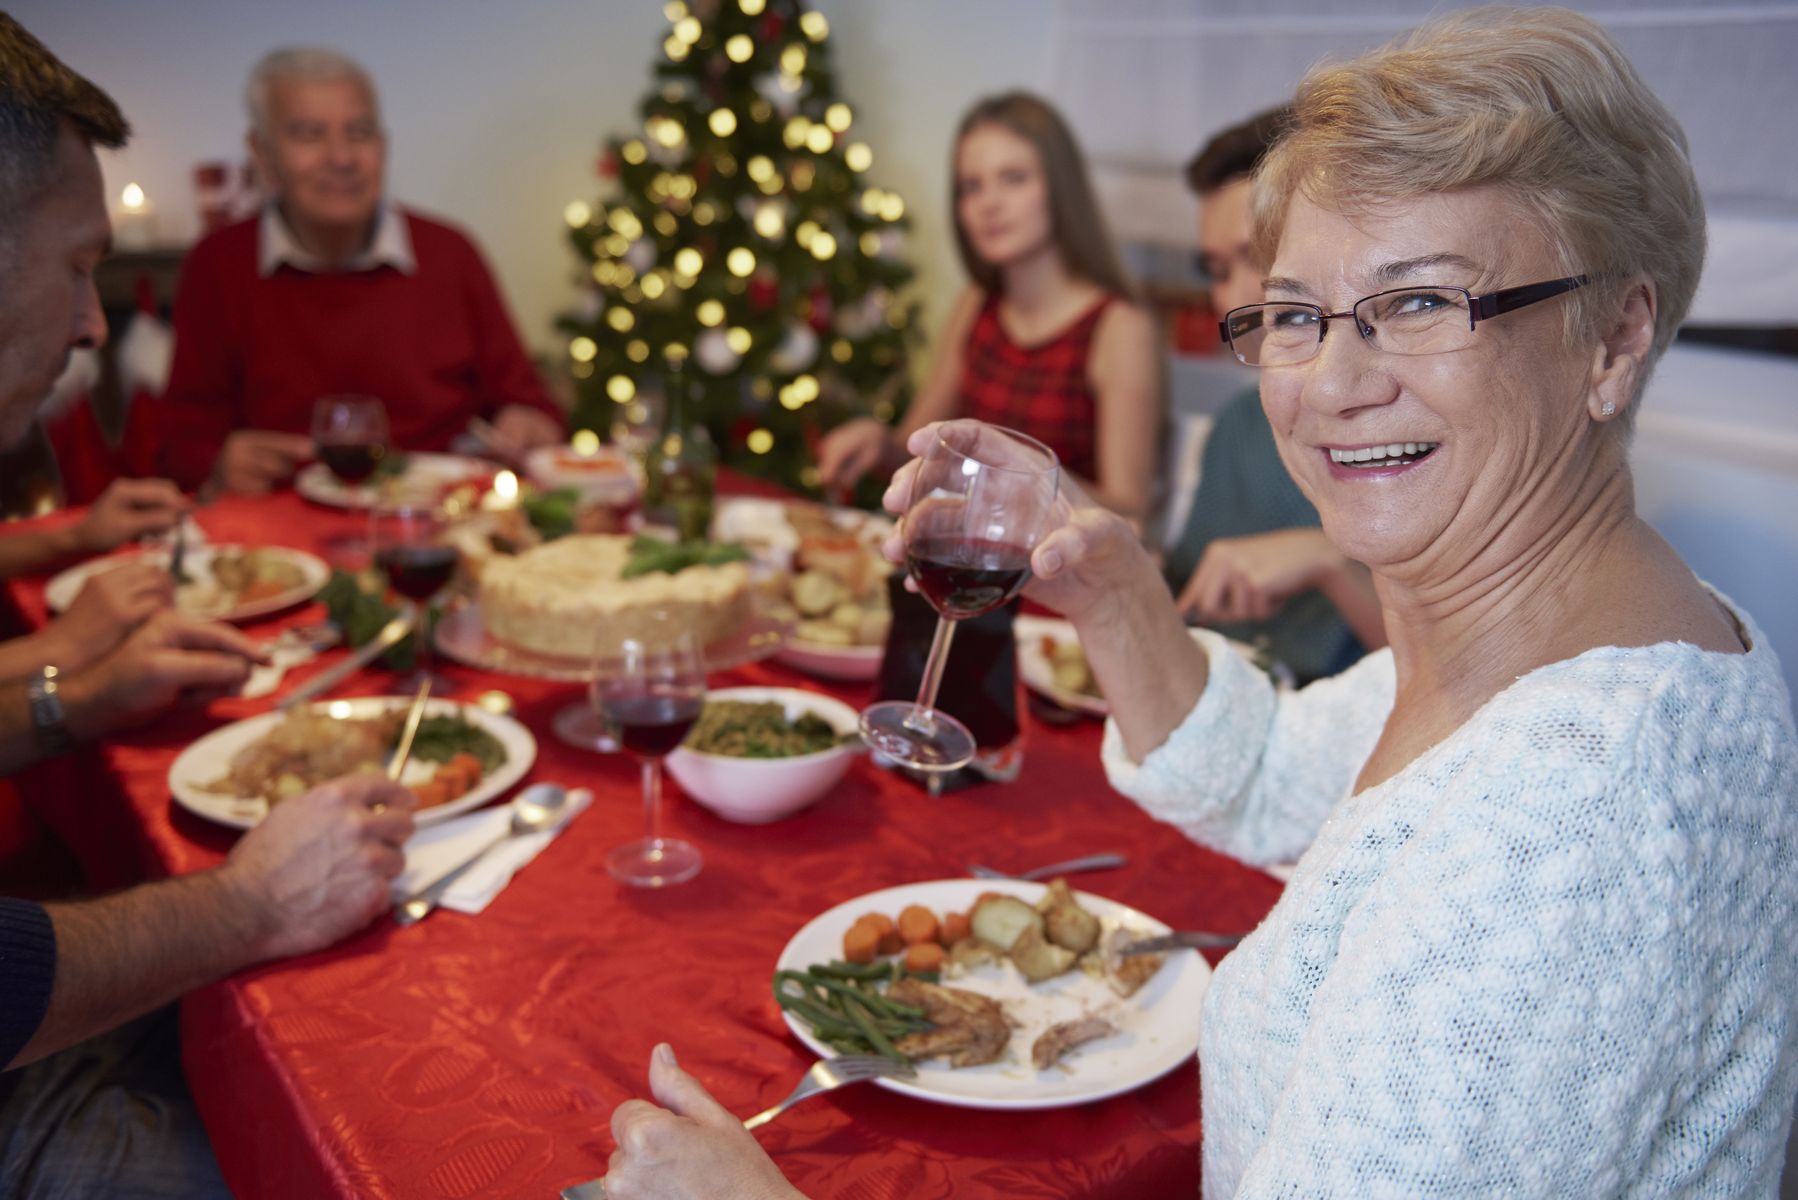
(982, 498)
(651, 692)
(412, 546)
(352, 436)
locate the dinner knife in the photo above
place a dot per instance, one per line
(1186, 939)
(389, 635)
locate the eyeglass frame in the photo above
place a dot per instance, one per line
(1479, 308)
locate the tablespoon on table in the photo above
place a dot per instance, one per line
(533, 810)
(1092, 862)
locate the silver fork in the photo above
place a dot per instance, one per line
(828, 1073)
(1092, 862)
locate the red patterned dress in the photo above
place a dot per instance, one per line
(1040, 390)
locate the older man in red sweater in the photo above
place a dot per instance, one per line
(332, 291)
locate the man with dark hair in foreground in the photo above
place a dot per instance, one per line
(83, 1111)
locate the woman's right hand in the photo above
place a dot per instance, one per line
(1088, 567)
(850, 451)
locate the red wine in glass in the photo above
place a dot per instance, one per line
(352, 462)
(652, 723)
(417, 572)
(965, 577)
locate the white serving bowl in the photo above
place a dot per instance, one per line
(754, 791)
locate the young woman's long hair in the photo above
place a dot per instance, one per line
(1074, 219)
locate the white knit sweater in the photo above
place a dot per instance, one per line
(1556, 955)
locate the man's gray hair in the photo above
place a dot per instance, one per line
(311, 63)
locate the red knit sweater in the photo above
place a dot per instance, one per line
(253, 353)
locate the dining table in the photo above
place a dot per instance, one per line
(483, 1055)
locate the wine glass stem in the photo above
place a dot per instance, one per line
(425, 638)
(924, 719)
(652, 800)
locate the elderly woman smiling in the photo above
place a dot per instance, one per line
(1538, 939)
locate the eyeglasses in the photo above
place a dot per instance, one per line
(1419, 320)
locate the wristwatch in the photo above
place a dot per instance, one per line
(48, 719)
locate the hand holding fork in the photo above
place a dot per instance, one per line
(709, 1144)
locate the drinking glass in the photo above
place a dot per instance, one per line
(412, 546)
(637, 425)
(982, 498)
(651, 692)
(352, 436)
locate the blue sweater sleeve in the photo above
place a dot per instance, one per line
(27, 970)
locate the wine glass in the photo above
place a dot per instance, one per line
(982, 498)
(352, 436)
(652, 692)
(412, 546)
(637, 425)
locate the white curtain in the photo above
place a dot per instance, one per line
(1145, 82)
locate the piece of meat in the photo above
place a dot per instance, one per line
(1128, 972)
(970, 1029)
(1057, 1040)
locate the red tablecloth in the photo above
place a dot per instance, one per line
(482, 1056)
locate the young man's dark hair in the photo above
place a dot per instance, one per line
(37, 94)
(1236, 151)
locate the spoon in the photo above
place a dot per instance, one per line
(535, 809)
(1093, 862)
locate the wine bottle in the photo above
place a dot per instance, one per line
(680, 474)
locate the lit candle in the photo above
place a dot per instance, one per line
(135, 227)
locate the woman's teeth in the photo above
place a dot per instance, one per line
(1383, 456)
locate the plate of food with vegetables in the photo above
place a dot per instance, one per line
(218, 582)
(1053, 664)
(1003, 994)
(462, 757)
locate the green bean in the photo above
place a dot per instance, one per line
(851, 971)
(893, 1007)
(874, 1036)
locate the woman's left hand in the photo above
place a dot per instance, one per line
(690, 1148)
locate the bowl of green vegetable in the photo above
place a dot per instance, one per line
(758, 754)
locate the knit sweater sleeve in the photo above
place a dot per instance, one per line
(1252, 772)
(504, 372)
(203, 401)
(27, 972)
(1508, 1007)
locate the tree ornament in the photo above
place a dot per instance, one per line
(641, 256)
(767, 86)
(590, 306)
(797, 350)
(606, 167)
(818, 309)
(712, 351)
(764, 293)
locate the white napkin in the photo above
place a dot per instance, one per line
(440, 848)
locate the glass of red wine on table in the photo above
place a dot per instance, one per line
(651, 691)
(412, 547)
(981, 500)
(351, 435)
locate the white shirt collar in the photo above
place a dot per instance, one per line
(390, 247)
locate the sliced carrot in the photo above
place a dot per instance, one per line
(955, 928)
(432, 793)
(923, 956)
(890, 941)
(917, 924)
(861, 942)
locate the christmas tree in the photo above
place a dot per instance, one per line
(743, 234)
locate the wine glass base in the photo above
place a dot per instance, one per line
(893, 729)
(654, 862)
(584, 729)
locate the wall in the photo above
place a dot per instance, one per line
(497, 110)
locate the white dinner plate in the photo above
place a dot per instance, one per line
(1039, 672)
(193, 598)
(1158, 1027)
(425, 477)
(209, 759)
(850, 663)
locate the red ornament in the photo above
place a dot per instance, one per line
(818, 309)
(772, 24)
(607, 166)
(763, 294)
(702, 171)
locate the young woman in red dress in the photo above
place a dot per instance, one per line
(1046, 338)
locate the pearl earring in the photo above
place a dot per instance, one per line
(1608, 409)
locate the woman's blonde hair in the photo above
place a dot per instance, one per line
(1074, 218)
(1539, 102)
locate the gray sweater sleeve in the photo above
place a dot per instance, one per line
(27, 971)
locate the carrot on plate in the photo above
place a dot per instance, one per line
(431, 793)
(890, 942)
(923, 956)
(917, 924)
(955, 928)
(861, 942)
